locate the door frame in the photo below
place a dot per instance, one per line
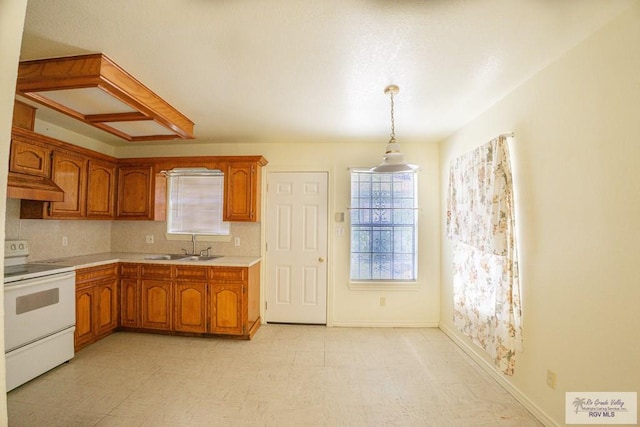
(330, 235)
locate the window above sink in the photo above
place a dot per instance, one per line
(195, 202)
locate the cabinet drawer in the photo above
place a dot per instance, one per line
(129, 270)
(108, 271)
(228, 275)
(185, 272)
(155, 271)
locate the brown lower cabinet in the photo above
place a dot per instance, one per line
(157, 301)
(96, 303)
(178, 299)
(227, 309)
(130, 295)
(190, 302)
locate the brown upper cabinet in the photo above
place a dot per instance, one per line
(135, 186)
(69, 171)
(24, 115)
(242, 189)
(84, 178)
(101, 193)
(242, 176)
(76, 183)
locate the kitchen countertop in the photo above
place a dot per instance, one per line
(94, 260)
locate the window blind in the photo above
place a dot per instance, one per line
(195, 205)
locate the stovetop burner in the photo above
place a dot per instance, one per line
(16, 266)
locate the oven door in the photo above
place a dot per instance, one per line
(39, 307)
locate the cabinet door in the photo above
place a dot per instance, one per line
(190, 307)
(24, 115)
(240, 197)
(101, 191)
(29, 158)
(134, 192)
(68, 170)
(130, 303)
(106, 294)
(226, 306)
(85, 320)
(157, 301)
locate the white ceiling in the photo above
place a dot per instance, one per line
(255, 70)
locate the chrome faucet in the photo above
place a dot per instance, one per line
(193, 246)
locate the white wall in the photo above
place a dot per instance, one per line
(12, 13)
(577, 178)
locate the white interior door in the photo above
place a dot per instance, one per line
(296, 233)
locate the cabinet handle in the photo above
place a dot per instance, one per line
(321, 259)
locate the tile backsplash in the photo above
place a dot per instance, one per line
(45, 237)
(130, 236)
(85, 237)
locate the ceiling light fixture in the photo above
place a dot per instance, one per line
(97, 91)
(393, 159)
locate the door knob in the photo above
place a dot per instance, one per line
(321, 259)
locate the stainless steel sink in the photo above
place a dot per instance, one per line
(181, 257)
(200, 257)
(165, 257)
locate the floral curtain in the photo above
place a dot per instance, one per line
(481, 224)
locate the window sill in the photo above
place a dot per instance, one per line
(384, 286)
(199, 237)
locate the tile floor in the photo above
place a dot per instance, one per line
(286, 376)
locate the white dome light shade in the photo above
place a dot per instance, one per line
(393, 159)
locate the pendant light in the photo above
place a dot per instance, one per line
(393, 159)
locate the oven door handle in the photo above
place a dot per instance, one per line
(41, 281)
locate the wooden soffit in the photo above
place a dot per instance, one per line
(94, 89)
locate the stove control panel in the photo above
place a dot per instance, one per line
(15, 248)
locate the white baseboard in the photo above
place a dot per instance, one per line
(385, 324)
(499, 377)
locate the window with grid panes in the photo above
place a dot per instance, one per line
(383, 226)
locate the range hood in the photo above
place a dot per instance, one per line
(23, 186)
(29, 179)
(94, 89)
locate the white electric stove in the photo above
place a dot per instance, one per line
(39, 307)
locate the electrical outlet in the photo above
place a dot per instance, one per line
(149, 238)
(65, 241)
(552, 379)
(236, 241)
(383, 301)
